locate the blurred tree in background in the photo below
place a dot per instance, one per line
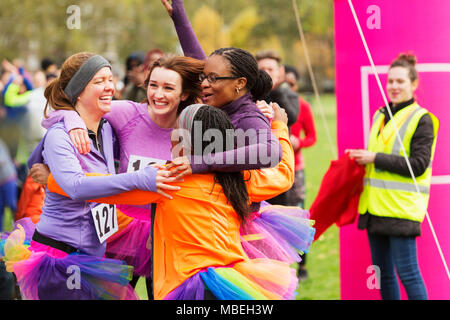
(32, 29)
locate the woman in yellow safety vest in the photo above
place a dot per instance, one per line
(392, 207)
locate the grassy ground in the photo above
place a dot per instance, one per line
(7, 220)
(323, 258)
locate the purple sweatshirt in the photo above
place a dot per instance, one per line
(69, 219)
(139, 138)
(137, 134)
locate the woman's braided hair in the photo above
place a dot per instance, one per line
(243, 64)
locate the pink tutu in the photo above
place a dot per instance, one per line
(133, 245)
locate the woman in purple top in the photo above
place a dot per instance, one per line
(230, 81)
(65, 259)
(143, 131)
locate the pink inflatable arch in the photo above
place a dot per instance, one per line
(391, 27)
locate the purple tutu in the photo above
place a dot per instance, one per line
(278, 232)
(46, 273)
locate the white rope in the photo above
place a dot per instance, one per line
(313, 79)
(397, 133)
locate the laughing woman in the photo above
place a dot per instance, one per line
(143, 131)
(65, 259)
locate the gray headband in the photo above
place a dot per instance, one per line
(186, 122)
(82, 77)
(186, 119)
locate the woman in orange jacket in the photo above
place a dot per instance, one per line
(198, 252)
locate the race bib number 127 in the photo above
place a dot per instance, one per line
(105, 221)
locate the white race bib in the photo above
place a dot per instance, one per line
(105, 221)
(137, 163)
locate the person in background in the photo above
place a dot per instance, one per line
(48, 66)
(305, 123)
(6, 126)
(36, 105)
(31, 201)
(16, 96)
(391, 208)
(16, 90)
(135, 77)
(2, 86)
(143, 131)
(270, 61)
(6, 283)
(152, 56)
(8, 183)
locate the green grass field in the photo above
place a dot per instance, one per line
(323, 257)
(7, 220)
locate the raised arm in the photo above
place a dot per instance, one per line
(189, 42)
(15, 99)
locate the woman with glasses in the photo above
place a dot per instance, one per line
(230, 81)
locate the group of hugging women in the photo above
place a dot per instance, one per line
(192, 221)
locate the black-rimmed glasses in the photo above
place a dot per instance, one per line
(212, 78)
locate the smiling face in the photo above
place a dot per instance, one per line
(399, 86)
(223, 91)
(97, 95)
(164, 92)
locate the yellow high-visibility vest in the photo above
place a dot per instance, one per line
(388, 194)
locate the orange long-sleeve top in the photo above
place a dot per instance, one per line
(198, 228)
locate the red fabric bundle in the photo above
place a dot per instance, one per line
(338, 196)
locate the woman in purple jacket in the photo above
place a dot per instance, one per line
(65, 259)
(230, 81)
